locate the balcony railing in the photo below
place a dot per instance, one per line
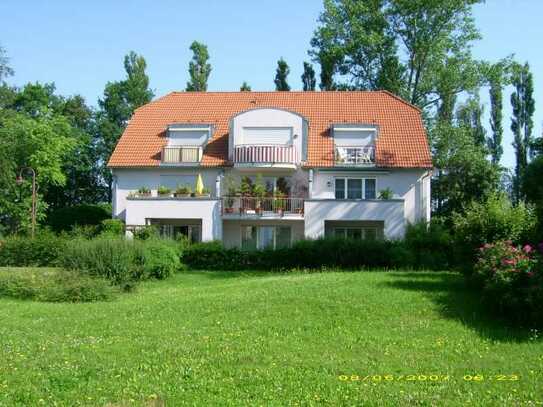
(179, 155)
(236, 205)
(354, 155)
(265, 154)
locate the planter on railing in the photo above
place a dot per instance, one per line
(265, 154)
(262, 206)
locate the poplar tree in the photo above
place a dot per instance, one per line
(308, 77)
(199, 68)
(281, 75)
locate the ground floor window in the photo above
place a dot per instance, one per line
(265, 237)
(190, 232)
(369, 233)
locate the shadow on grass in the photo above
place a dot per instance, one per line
(456, 300)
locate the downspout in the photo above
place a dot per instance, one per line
(310, 186)
(426, 216)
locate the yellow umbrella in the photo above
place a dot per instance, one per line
(199, 185)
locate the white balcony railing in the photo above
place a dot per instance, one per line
(268, 154)
(354, 155)
(181, 154)
(237, 205)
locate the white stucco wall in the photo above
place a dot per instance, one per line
(266, 117)
(130, 180)
(208, 210)
(232, 229)
(390, 211)
(405, 184)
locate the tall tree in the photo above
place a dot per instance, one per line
(496, 112)
(308, 77)
(5, 69)
(245, 87)
(523, 105)
(281, 75)
(117, 105)
(199, 68)
(470, 116)
(410, 47)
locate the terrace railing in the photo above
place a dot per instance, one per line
(354, 155)
(265, 154)
(181, 154)
(236, 205)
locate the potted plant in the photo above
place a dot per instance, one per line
(386, 193)
(206, 193)
(164, 191)
(259, 191)
(182, 192)
(143, 192)
(279, 204)
(229, 204)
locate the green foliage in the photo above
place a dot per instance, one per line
(199, 68)
(318, 254)
(463, 173)
(147, 232)
(64, 219)
(431, 245)
(115, 259)
(161, 259)
(386, 193)
(53, 285)
(496, 81)
(532, 189)
(162, 190)
(144, 191)
(245, 87)
(512, 280)
(5, 69)
(45, 249)
(183, 190)
(489, 221)
(308, 77)
(113, 227)
(281, 75)
(523, 105)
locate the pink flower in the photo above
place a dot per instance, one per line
(508, 262)
(527, 249)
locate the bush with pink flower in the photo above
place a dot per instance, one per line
(512, 279)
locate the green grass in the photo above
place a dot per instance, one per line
(257, 339)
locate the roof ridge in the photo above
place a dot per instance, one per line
(184, 92)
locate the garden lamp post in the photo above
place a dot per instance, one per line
(19, 181)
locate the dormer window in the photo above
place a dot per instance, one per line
(185, 143)
(354, 144)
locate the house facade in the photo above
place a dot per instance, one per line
(275, 166)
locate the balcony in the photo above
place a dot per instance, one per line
(181, 155)
(274, 207)
(265, 155)
(354, 155)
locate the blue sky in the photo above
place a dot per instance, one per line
(80, 45)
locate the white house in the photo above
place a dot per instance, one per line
(347, 164)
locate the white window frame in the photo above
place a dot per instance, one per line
(346, 193)
(274, 234)
(363, 230)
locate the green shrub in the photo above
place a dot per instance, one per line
(304, 254)
(511, 279)
(147, 232)
(160, 259)
(116, 259)
(45, 249)
(53, 285)
(431, 245)
(489, 221)
(114, 227)
(64, 219)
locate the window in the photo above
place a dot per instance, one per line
(266, 135)
(358, 233)
(265, 237)
(355, 188)
(190, 232)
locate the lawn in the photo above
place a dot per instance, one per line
(371, 338)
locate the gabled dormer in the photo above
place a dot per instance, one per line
(185, 143)
(354, 144)
(267, 137)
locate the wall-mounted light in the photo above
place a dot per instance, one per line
(329, 184)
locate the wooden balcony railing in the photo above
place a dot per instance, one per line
(268, 154)
(181, 154)
(262, 206)
(354, 155)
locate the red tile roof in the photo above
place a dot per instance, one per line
(401, 142)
